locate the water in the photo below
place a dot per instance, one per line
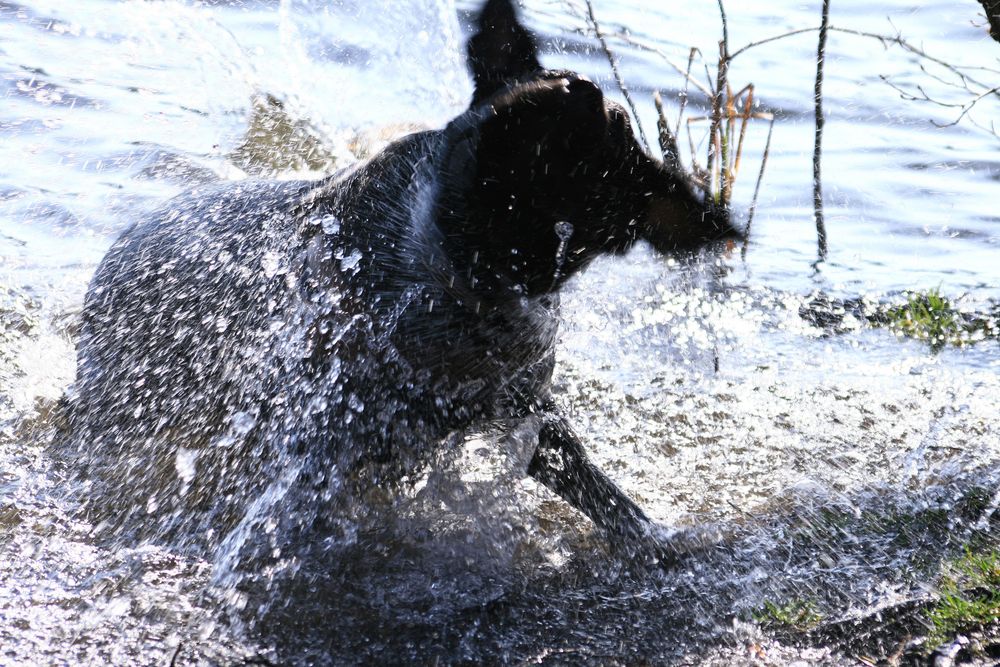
(843, 467)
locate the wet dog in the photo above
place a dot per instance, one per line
(326, 335)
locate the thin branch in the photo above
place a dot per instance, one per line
(774, 38)
(818, 145)
(668, 140)
(701, 176)
(745, 120)
(917, 51)
(963, 86)
(968, 107)
(992, 129)
(922, 97)
(639, 44)
(684, 92)
(886, 40)
(965, 107)
(614, 69)
(756, 191)
(961, 72)
(725, 26)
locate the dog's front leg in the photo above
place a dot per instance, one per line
(561, 464)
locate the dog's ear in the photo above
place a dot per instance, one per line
(501, 51)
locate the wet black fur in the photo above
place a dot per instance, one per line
(352, 322)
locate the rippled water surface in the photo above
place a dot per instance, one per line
(835, 466)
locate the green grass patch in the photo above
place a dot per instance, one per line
(797, 615)
(970, 598)
(931, 317)
(928, 316)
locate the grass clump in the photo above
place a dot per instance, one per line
(970, 598)
(929, 317)
(796, 615)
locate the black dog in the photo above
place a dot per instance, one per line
(350, 324)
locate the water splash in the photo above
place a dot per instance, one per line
(564, 231)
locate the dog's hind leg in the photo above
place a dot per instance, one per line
(561, 464)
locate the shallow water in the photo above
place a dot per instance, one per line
(842, 467)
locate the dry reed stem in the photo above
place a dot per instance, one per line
(715, 143)
(615, 71)
(667, 139)
(700, 175)
(684, 91)
(725, 170)
(756, 191)
(745, 120)
(727, 147)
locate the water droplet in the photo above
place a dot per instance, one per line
(118, 606)
(564, 230)
(351, 261)
(270, 263)
(242, 423)
(330, 224)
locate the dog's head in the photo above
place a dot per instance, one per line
(552, 171)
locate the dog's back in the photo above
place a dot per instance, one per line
(247, 322)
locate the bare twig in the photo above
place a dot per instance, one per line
(965, 75)
(922, 97)
(886, 40)
(644, 46)
(668, 139)
(745, 120)
(818, 145)
(897, 39)
(773, 38)
(961, 85)
(992, 129)
(965, 80)
(701, 176)
(756, 191)
(614, 69)
(684, 92)
(725, 26)
(966, 108)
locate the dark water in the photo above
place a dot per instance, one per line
(843, 468)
